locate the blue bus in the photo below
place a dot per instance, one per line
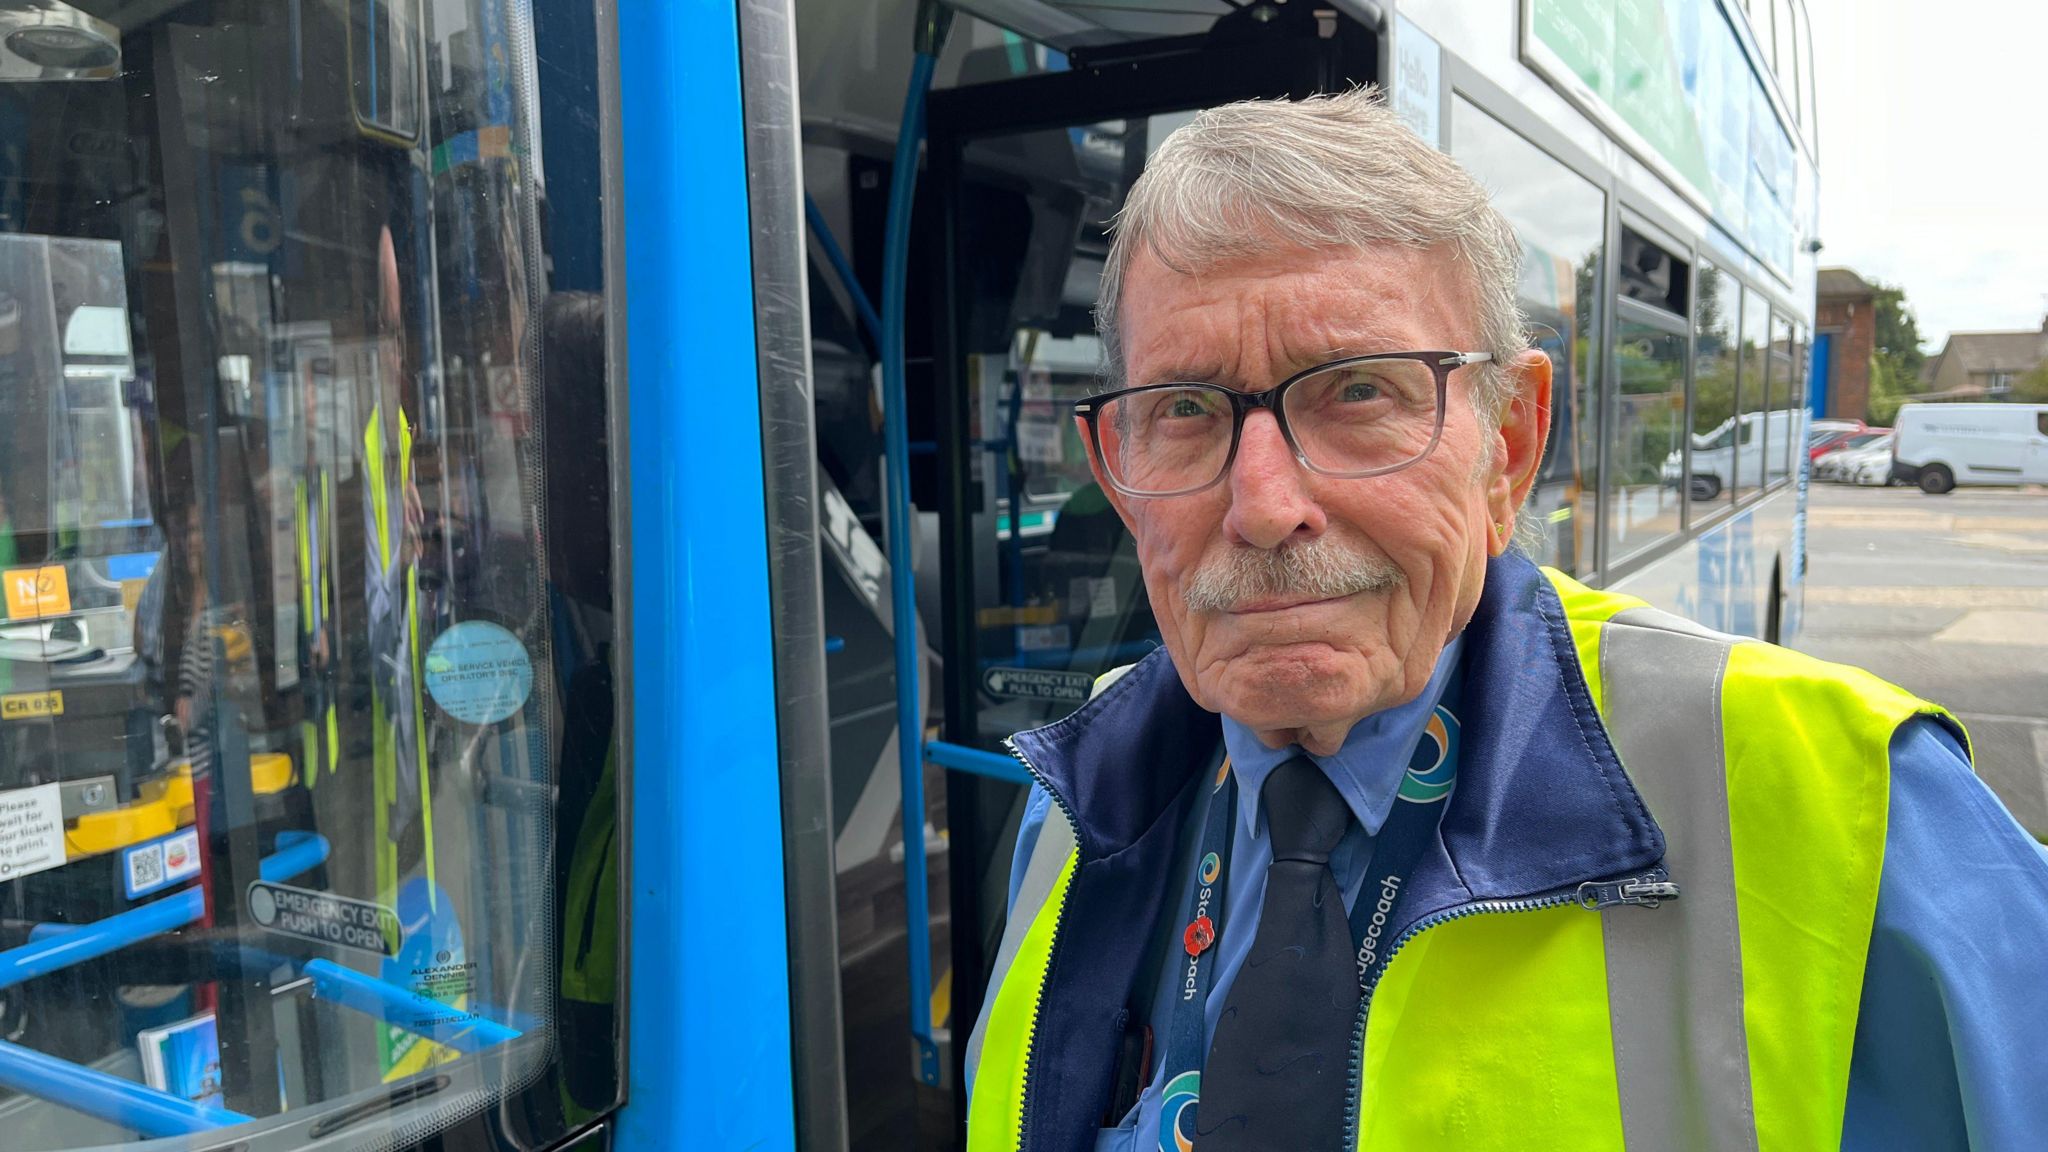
(523, 523)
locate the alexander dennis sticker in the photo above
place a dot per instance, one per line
(31, 830)
(324, 918)
(1038, 684)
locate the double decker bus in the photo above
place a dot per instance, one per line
(524, 522)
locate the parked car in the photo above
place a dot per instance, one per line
(1821, 441)
(1872, 467)
(1940, 446)
(1853, 465)
(1829, 465)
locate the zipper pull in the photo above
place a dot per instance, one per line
(1648, 890)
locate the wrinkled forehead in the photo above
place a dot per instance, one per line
(1285, 308)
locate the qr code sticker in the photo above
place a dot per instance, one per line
(145, 868)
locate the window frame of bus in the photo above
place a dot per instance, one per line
(531, 1106)
(1700, 513)
(1463, 80)
(1631, 212)
(1753, 359)
(1587, 553)
(1781, 367)
(1662, 323)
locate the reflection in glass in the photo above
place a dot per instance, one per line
(1753, 433)
(1560, 218)
(1713, 392)
(1787, 425)
(1642, 491)
(281, 657)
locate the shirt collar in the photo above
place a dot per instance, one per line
(1367, 770)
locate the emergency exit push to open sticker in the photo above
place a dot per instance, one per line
(324, 917)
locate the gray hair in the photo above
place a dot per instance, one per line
(1338, 171)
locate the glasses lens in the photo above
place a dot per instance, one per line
(1161, 441)
(1362, 417)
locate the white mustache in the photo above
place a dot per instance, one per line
(1321, 569)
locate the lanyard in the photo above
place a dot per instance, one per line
(1184, 1047)
(1418, 805)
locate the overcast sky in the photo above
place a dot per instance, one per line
(1933, 158)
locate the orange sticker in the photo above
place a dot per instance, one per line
(33, 592)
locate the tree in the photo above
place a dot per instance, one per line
(1896, 359)
(1898, 333)
(1889, 389)
(2033, 387)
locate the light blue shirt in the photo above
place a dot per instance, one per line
(1949, 1040)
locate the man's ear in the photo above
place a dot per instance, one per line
(1109, 492)
(1524, 430)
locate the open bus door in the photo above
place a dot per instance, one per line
(1033, 585)
(307, 744)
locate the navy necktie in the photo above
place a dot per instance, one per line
(1279, 1064)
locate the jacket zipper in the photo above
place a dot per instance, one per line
(1058, 924)
(1646, 890)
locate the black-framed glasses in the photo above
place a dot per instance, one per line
(1351, 418)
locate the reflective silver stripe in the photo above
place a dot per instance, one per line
(1674, 974)
(1055, 843)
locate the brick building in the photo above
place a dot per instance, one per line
(1845, 337)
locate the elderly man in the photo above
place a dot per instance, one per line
(1403, 843)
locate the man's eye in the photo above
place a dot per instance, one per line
(1358, 391)
(1185, 406)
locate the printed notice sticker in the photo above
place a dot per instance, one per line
(1038, 684)
(478, 672)
(31, 830)
(159, 864)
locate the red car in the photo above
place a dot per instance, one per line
(1824, 436)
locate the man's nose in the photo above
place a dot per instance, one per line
(1270, 499)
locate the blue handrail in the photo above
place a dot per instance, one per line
(962, 758)
(110, 1098)
(843, 268)
(154, 1113)
(406, 1008)
(903, 597)
(55, 946)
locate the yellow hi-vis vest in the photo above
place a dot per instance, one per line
(1721, 1020)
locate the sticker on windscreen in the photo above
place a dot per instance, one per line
(478, 672)
(31, 830)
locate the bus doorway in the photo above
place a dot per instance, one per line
(1024, 582)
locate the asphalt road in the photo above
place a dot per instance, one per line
(1946, 596)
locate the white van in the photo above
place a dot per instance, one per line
(1715, 454)
(1939, 446)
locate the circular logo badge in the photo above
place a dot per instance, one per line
(1212, 866)
(1434, 766)
(1177, 1112)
